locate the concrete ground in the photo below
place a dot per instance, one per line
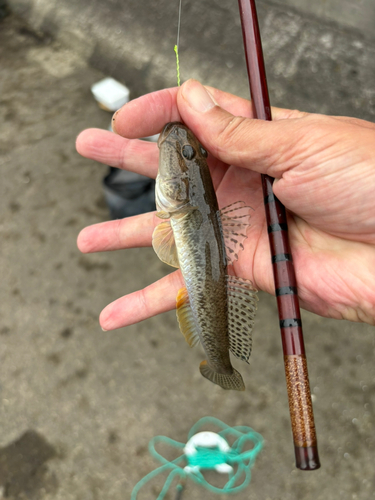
(79, 406)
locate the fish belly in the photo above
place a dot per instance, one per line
(203, 266)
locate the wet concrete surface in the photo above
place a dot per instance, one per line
(23, 473)
(79, 406)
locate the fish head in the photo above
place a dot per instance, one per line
(179, 159)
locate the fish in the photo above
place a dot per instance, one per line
(214, 308)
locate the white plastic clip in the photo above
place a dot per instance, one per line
(207, 439)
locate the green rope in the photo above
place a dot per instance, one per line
(207, 458)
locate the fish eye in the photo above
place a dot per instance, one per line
(188, 152)
(203, 152)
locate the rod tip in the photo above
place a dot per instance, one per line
(307, 458)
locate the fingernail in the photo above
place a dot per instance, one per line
(113, 120)
(197, 96)
(103, 329)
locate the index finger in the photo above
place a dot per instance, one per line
(148, 114)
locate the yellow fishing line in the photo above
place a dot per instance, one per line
(178, 44)
(178, 65)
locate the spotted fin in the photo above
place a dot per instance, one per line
(235, 223)
(230, 382)
(242, 306)
(164, 245)
(186, 318)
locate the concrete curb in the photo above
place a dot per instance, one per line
(135, 45)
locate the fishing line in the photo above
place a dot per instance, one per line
(177, 46)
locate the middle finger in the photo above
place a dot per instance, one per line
(130, 232)
(111, 149)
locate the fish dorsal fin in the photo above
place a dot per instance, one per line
(185, 318)
(242, 306)
(235, 223)
(164, 245)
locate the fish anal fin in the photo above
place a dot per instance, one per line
(231, 381)
(186, 318)
(242, 306)
(235, 221)
(164, 245)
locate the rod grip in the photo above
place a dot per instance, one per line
(301, 412)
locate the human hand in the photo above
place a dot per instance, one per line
(324, 169)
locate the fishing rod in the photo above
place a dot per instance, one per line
(297, 380)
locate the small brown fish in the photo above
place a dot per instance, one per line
(214, 308)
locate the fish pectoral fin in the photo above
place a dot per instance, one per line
(242, 306)
(185, 318)
(231, 381)
(235, 221)
(162, 214)
(164, 245)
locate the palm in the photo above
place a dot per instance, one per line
(326, 263)
(232, 185)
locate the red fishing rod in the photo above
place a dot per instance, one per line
(297, 380)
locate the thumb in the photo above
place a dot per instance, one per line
(263, 146)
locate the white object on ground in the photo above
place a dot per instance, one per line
(207, 439)
(110, 93)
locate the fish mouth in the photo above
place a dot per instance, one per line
(168, 130)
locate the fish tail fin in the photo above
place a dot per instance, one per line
(230, 382)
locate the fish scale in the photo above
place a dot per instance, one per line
(208, 297)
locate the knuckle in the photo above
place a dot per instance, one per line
(144, 304)
(296, 114)
(231, 133)
(119, 233)
(142, 307)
